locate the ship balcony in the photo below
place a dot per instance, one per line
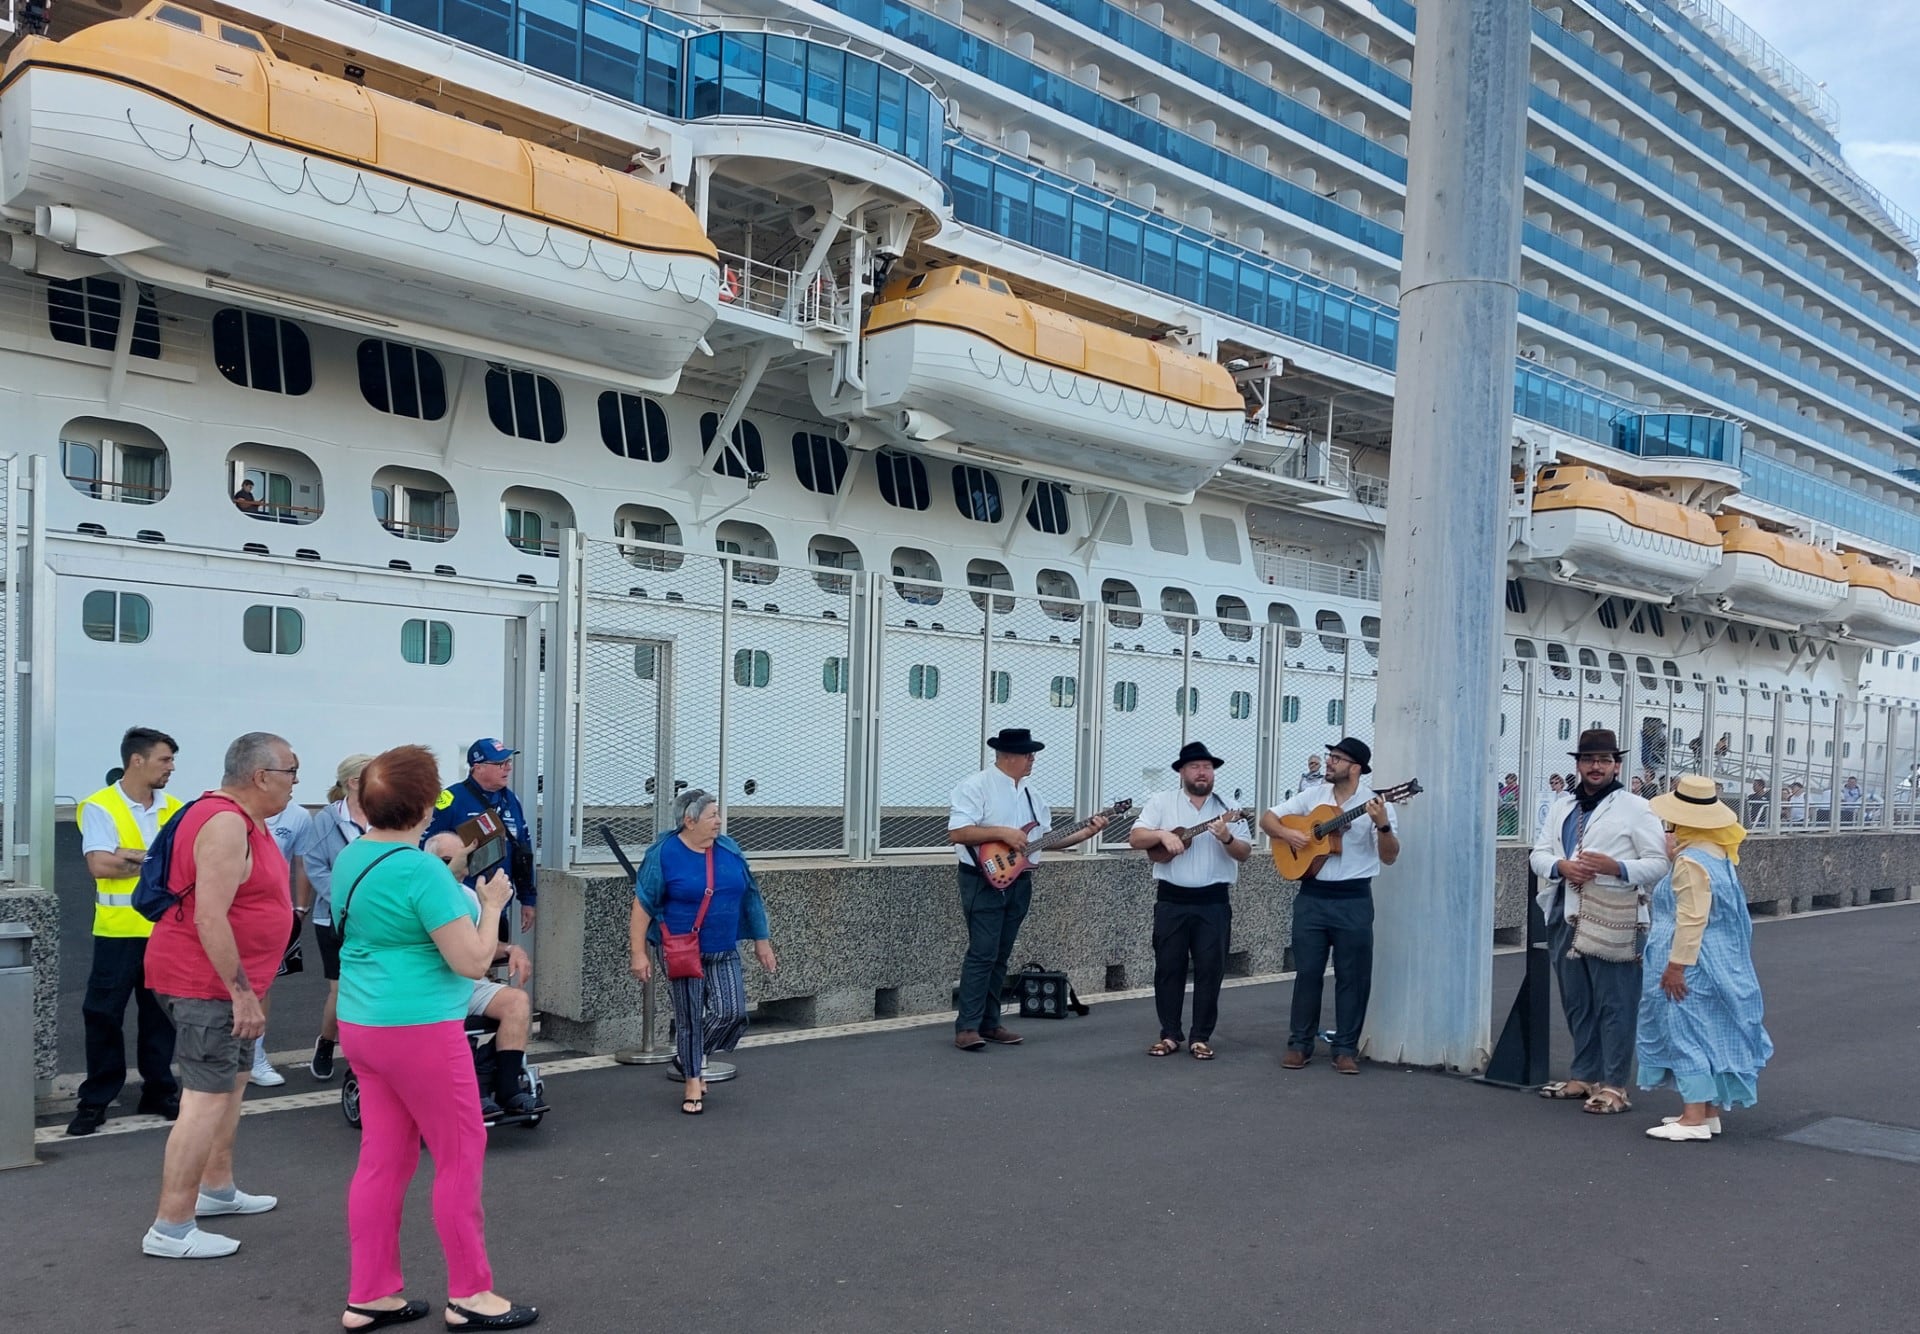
(1284, 463)
(1314, 576)
(114, 461)
(533, 519)
(270, 484)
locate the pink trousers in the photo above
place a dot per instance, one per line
(416, 1082)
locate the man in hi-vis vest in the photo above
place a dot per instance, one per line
(117, 825)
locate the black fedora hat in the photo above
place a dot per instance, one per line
(1599, 741)
(1015, 741)
(1193, 751)
(1356, 750)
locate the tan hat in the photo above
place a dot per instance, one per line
(1694, 803)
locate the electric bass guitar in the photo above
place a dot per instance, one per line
(1322, 826)
(1160, 856)
(1002, 863)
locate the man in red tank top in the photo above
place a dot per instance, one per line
(210, 964)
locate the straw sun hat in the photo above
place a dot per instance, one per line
(1694, 803)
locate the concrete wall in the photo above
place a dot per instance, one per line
(39, 909)
(876, 939)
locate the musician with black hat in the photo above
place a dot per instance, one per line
(992, 819)
(1601, 843)
(1196, 843)
(1333, 912)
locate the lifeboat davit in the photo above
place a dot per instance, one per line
(1882, 606)
(1589, 530)
(1772, 578)
(177, 149)
(957, 364)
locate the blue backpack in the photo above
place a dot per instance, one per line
(151, 897)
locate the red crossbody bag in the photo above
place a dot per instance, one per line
(682, 952)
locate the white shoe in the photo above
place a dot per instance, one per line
(1713, 1122)
(1673, 1130)
(263, 1072)
(241, 1203)
(196, 1245)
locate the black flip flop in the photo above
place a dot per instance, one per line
(380, 1318)
(698, 1106)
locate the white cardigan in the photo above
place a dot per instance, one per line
(1622, 827)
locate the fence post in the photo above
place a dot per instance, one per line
(861, 830)
(1531, 703)
(1090, 756)
(1271, 712)
(563, 707)
(726, 683)
(1777, 814)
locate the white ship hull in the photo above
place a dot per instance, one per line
(169, 197)
(1596, 548)
(1752, 586)
(953, 391)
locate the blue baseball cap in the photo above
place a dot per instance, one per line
(488, 751)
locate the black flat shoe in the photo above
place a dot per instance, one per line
(380, 1317)
(513, 1318)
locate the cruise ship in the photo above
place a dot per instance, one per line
(780, 399)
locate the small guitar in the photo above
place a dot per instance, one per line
(1002, 863)
(1160, 856)
(1322, 826)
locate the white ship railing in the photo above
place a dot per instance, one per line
(776, 292)
(1315, 576)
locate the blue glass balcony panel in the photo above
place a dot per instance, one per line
(1678, 435)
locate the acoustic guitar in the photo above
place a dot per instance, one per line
(1160, 856)
(1002, 863)
(1322, 826)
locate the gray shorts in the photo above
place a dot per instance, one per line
(211, 1058)
(484, 991)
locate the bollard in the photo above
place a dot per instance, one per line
(16, 1045)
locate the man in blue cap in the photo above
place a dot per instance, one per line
(489, 770)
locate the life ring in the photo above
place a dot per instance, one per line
(729, 286)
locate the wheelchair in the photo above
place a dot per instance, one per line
(480, 1034)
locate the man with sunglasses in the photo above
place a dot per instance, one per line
(486, 789)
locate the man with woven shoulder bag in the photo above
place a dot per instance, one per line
(1599, 851)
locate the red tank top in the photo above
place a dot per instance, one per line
(261, 914)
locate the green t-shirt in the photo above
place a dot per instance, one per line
(391, 972)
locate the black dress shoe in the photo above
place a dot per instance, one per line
(166, 1105)
(512, 1318)
(379, 1317)
(87, 1119)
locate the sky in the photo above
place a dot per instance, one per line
(1867, 52)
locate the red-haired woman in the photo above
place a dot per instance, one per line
(410, 947)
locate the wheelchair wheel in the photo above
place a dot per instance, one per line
(350, 1099)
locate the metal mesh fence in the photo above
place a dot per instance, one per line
(726, 673)
(11, 631)
(744, 675)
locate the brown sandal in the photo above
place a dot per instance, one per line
(1607, 1102)
(1201, 1051)
(1564, 1089)
(1164, 1047)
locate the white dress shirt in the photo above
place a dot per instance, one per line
(990, 797)
(1359, 855)
(1205, 862)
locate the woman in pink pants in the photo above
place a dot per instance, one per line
(411, 945)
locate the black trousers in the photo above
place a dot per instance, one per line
(1183, 934)
(117, 976)
(1342, 927)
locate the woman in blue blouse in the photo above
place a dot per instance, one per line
(709, 1012)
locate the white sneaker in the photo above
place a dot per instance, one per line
(1673, 1130)
(1713, 1122)
(263, 1071)
(241, 1203)
(196, 1245)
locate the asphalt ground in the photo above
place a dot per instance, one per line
(886, 1182)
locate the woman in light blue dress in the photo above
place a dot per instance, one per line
(1700, 1008)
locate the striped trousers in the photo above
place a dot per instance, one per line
(710, 1012)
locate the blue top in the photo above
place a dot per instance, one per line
(461, 802)
(1719, 1029)
(673, 880)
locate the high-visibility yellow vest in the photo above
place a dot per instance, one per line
(113, 913)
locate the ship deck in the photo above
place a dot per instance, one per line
(883, 1181)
